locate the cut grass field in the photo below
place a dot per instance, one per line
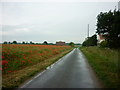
(21, 62)
(104, 62)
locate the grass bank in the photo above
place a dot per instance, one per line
(104, 62)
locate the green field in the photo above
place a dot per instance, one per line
(104, 62)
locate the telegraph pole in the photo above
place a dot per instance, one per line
(88, 36)
(88, 30)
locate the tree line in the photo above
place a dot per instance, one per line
(44, 43)
(108, 25)
(15, 42)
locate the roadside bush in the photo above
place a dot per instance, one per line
(104, 44)
(90, 41)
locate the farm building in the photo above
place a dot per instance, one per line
(60, 43)
(101, 37)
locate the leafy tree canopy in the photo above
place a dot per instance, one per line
(45, 42)
(90, 41)
(14, 42)
(108, 24)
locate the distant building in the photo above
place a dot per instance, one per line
(119, 5)
(60, 43)
(102, 37)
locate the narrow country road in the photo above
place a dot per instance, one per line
(71, 71)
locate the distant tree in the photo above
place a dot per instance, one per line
(91, 41)
(36, 43)
(23, 42)
(50, 44)
(45, 43)
(9, 42)
(27, 43)
(71, 44)
(5, 42)
(31, 42)
(14, 42)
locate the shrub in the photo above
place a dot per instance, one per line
(104, 44)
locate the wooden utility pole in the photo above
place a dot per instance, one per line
(88, 30)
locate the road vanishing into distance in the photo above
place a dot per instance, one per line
(71, 71)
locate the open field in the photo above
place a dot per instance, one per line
(104, 62)
(20, 62)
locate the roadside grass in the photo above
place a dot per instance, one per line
(104, 62)
(41, 56)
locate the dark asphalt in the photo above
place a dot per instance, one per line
(72, 71)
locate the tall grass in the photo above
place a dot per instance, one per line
(105, 63)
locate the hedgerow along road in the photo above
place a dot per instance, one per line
(71, 71)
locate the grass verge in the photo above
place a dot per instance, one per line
(15, 79)
(104, 62)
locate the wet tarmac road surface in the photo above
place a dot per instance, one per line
(71, 71)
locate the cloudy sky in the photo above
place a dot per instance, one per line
(52, 21)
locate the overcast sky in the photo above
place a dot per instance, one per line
(51, 21)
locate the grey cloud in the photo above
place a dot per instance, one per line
(51, 21)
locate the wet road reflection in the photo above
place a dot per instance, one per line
(71, 71)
